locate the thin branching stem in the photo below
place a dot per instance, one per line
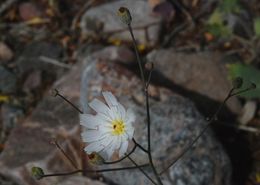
(56, 93)
(64, 153)
(137, 54)
(140, 168)
(149, 79)
(244, 90)
(94, 171)
(147, 106)
(126, 156)
(149, 138)
(140, 146)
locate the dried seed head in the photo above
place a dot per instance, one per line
(54, 92)
(124, 15)
(37, 173)
(96, 159)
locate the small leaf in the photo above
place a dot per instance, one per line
(215, 25)
(216, 17)
(249, 75)
(257, 26)
(219, 30)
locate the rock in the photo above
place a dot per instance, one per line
(30, 58)
(7, 81)
(165, 10)
(9, 119)
(33, 81)
(5, 181)
(202, 73)
(102, 20)
(175, 121)
(29, 145)
(29, 11)
(6, 53)
(79, 180)
(119, 54)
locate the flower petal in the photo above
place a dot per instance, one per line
(130, 116)
(130, 131)
(110, 149)
(110, 99)
(90, 121)
(99, 106)
(123, 148)
(92, 135)
(121, 111)
(118, 142)
(93, 147)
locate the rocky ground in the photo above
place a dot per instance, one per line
(69, 46)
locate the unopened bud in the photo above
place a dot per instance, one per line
(37, 173)
(54, 92)
(124, 15)
(96, 159)
(237, 82)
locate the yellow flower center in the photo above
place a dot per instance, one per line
(118, 127)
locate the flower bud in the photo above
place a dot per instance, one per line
(237, 82)
(124, 15)
(96, 159)
(54, 92)
(37, 173)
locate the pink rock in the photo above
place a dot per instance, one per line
(5, 52)
(28, 11)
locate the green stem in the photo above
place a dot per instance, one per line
(137, 54)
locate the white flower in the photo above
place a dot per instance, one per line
(110, 129)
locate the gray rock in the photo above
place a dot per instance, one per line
(202, 73)
(175, 122)
(119, 54)
(6, 53)
(9, 118)
(4, 181)
(79, 180)
(30, 59)
(7, 81)
(29, 145)
(103, 21)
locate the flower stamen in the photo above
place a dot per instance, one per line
(118, 127)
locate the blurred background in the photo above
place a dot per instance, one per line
(197, 46)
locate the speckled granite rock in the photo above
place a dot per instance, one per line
(103, 21)
(175, 121)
